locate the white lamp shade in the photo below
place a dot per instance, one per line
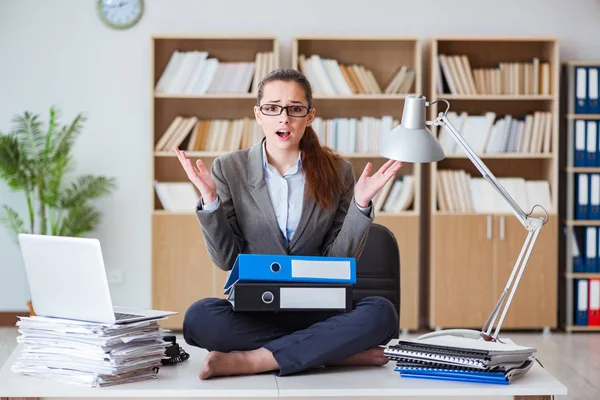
(411, 141)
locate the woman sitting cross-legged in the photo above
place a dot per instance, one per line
(287, 194)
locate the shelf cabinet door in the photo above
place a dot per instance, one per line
(182, 271)
(406, 231)
(462, 271)
(534, 303)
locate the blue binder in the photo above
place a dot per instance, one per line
(594, 191)
(591, 143)
(576, 253)
(581, 90)
(581, 302)
(591, 250)
(285, 268)
(592, 93)
(582, 196)
(579, 147)
(598, 251)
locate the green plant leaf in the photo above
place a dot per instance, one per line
(28, 129)
(11, 162)
(85, 188)
(62, 140)
(10, 218)
(79, 221)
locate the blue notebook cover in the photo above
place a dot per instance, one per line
(496, 377)
(285, 268)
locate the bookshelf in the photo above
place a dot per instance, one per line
(581, 172)
(342, 71)
(503, 92)
(207, 82)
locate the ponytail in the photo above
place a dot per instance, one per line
(323, 168)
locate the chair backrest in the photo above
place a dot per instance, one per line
(378, 268)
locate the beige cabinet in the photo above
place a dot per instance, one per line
(182, 271)
(471, 260)
(406, 231)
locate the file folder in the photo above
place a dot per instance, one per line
(594, 207)
(271, 296)
(578, 264)
(581, 302)
(593, 105)
(581, 211)
(591, 143)
(286, 268)
(594, 303)
(580, 156)
(591, 252)
(581, 92)
(598, 251)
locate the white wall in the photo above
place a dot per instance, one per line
(59, 52)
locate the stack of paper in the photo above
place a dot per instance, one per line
(87, 353)
(460, 359)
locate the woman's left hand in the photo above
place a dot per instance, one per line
(368, 186)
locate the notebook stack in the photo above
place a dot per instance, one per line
(264, 282)
(460, 359)
(89, 354)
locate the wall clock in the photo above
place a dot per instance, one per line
(120, 14)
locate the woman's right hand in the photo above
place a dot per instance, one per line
(200, 177)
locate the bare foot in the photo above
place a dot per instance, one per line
(369, 357)
(238, 363)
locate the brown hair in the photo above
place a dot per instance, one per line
(323, 167)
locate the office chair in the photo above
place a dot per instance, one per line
(378, 268)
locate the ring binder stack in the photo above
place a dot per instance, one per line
(267, 282)
(460, 359)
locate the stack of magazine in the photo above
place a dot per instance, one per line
(90, 354)
(460, 359)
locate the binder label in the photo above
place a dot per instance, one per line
(321, 269)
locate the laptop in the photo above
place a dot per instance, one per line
(67, 279)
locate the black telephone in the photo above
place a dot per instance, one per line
(175, 353)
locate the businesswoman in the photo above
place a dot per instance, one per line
(286, 194)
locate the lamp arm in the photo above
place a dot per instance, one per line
(533, 226)
(521, 215)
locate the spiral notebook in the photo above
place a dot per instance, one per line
(458, 351)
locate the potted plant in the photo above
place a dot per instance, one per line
(38, 162)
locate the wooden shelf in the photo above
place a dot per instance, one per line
(574, 228)
(582, 222)
(483, 156)
(498, 97)
(583, 116)
(207, 96)
(582, 328)
(582, 275)
(583, 169)
(361, 97)
(471, 254)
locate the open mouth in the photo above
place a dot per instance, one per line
(283, 134)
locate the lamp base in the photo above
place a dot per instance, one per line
(466, 333)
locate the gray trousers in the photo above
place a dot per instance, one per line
(298, 339)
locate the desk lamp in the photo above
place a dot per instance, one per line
(412, 141)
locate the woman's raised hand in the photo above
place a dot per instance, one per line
(200, 177)
(368, 186)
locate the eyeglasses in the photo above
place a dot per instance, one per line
(292, 111)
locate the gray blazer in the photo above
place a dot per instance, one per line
(245, 221)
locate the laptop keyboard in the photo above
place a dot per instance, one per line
(120, 316)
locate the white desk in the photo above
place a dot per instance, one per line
(182, 380)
